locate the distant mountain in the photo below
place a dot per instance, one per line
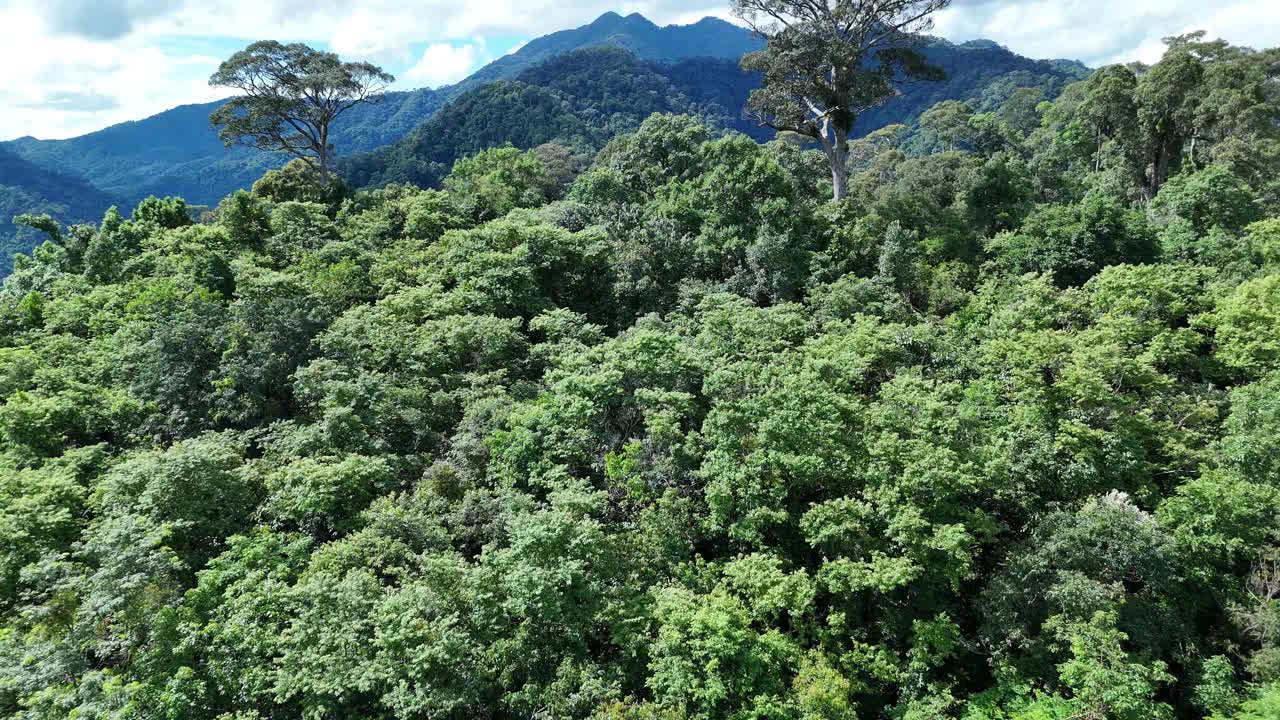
(686, 67)
(178, 153)
(980, 72)
(709, 37)
(28, 188)
(582, 98)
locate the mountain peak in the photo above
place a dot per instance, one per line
(611, 20)
(982, 44)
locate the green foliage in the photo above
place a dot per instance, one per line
(690, 68)
(494, 182)
(1247, 325)
(709, 662)
(1104, 681)
(1265, 705)
(668, 434)
(297, 182)
(1074, 242)
(168, 213)
(1210, 198)
(290, 96)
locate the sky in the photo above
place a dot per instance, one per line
(68, 67)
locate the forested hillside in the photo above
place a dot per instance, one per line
(177, 153)
(579, 100)
(26, 188)
(672, 434)
(584, 97)
(681, 68)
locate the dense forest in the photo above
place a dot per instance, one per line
(582, 98)
(666, 432)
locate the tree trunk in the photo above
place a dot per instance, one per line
(1159, 169)
(1097, 155)
(839, 181)
(839, 156)
(323, 152)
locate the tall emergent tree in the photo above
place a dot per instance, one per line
(292, 94)
(828, 60)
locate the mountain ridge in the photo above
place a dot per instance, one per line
(176, 152)
(634, 32)
(193, 162)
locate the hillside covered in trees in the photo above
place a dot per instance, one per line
(28, 188)
(669, 433)
(177, 153)
(583, 98)
(677, 68)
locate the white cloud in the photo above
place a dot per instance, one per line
(374, 35)
(57, 85)
(444, 63)
(1106, 31)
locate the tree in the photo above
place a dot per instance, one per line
(295, 182)
(1074, 242)
(292, 94)
(828, 61)
(495, 181)
(1105, 682)
(1247, 324)
(1202, 200)
(947, 124)
(1166, 100)
(1108, 111)
(43, 223)
(170, 212)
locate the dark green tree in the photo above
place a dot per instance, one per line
(291, 95)
(829, 60)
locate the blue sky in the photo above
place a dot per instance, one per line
(73, 66)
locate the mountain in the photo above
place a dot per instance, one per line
(686, 68)
(980, 72)
(177, 153)
(28, 188)
(581, 98)
(709, 37)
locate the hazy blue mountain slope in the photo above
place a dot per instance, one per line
(980, 72)
(28, 188)
(177, 152)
